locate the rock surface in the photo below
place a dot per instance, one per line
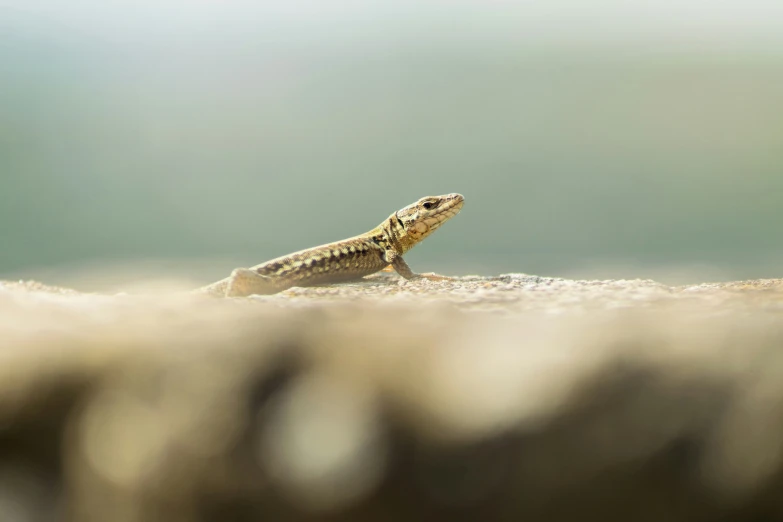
(514, 397)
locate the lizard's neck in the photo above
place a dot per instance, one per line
(396, 235)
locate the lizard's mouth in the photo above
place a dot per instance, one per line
(448, 209)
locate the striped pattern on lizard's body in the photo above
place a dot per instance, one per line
(349, 259)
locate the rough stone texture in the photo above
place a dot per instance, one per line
(508, 398)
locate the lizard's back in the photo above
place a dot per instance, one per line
(345, 260)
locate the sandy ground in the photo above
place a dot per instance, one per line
(506, 398)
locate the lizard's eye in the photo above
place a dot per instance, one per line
(428, 204)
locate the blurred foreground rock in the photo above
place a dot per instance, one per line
(508, 398)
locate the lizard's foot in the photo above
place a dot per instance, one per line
(432, 276)
(244, 282)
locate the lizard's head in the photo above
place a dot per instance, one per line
(425, 216)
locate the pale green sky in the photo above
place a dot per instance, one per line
(586, 136)
(689, 23)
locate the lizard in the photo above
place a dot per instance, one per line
(349, 259)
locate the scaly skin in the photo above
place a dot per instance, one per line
(349, 259)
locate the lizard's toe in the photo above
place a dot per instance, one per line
(432, 276)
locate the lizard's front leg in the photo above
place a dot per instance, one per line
(402, 268)
(244, 282)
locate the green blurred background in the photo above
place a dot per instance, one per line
(590, 139)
